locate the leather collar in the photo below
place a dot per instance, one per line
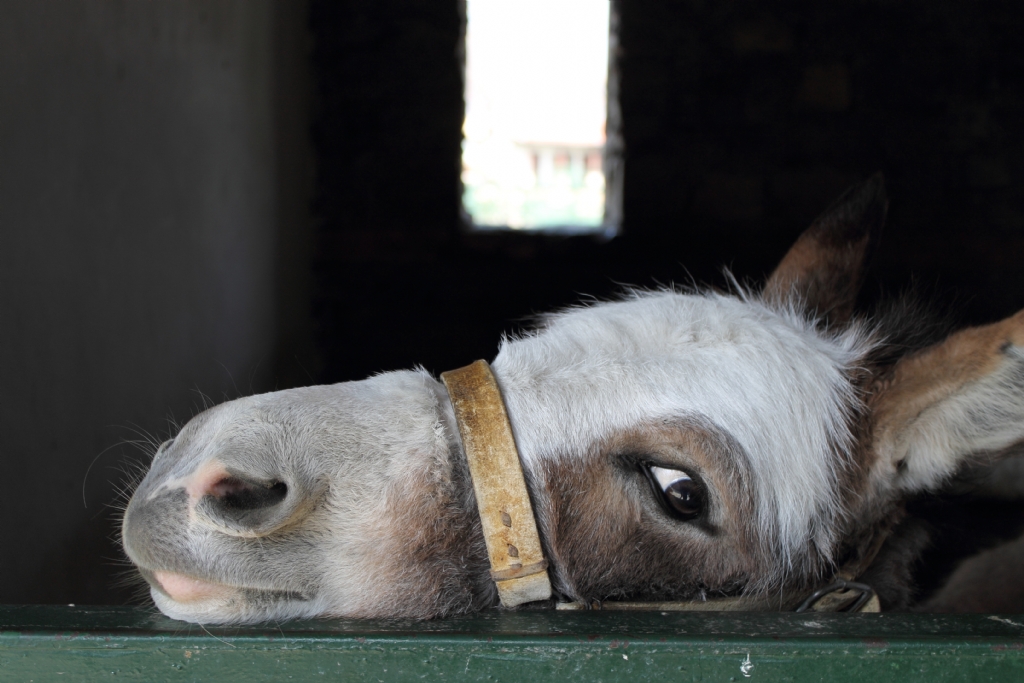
(518, 567)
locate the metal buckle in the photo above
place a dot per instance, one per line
(866, 593)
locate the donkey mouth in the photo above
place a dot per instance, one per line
(188, 589)
(183, 589)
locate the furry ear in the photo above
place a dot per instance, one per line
(824, 268)
(960, 398)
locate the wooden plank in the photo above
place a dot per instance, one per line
(52, 643)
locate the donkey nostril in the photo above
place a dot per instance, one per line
(237, 504)
(236, 494)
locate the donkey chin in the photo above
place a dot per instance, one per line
(676, 445)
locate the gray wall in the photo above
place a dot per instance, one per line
(153, 231)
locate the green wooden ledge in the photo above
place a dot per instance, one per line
(92, 643)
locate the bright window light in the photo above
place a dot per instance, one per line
(536, 103)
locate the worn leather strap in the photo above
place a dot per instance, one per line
(841, 595)
(833, 602)
(517, 560)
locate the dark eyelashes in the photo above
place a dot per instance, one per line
(680, 494)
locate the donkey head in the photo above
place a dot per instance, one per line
(676, 445)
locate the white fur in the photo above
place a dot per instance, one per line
(985, 416)
(766, 376)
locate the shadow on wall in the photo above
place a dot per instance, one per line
(141, 260)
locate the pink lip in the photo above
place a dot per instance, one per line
(183, 588)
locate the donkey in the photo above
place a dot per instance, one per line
(676, 445)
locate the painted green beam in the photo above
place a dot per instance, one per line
(88, 643)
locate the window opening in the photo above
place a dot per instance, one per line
(534, 148)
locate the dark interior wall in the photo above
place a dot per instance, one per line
(741, 122)
(142, 149)
(743, 119)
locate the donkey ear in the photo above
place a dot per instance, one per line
(961, 398)
(824, 268)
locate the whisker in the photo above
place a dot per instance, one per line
(207, 401)
(85, 477)
(215, 637)
(238, 392)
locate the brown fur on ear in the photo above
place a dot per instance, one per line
(961, 397)
(825, 267)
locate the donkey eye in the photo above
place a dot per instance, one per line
(682, 495)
